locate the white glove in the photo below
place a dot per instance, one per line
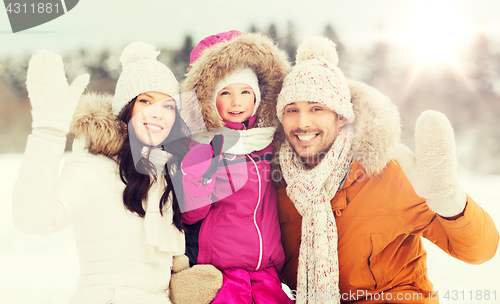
(433, 171)
(53, 101)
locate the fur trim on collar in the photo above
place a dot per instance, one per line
(255, 51)
(377, 128)
(94, 122)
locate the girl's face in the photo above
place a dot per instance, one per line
(235, 102)
(153, 116)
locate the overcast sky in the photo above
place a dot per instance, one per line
(114, 23)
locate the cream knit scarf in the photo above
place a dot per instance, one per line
(163, 239)
(311, 191)
(239, 142)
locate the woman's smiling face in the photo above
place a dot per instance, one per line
(153, 116)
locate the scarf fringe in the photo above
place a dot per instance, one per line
(311, 191)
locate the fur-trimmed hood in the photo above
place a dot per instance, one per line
(377, 127)
(255, 51)
(94, 123)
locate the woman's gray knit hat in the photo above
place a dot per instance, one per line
(142, 73)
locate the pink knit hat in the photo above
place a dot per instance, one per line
(209, 41)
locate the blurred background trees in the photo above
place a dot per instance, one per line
(467, 91)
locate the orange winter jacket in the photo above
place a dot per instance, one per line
(380, 222)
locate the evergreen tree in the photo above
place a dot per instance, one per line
(272, 32)
(95, 64)
(253, 29)
(378, 62)
(180, 59)
(13, 73)
(290, 44)
(480, 62)
(481, 69)
(332, 35)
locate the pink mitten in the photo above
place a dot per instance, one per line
(198, 171)
(194, 165)
(197, 160)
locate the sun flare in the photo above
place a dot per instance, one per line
(434, 31)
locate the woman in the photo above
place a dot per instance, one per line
(113, 190)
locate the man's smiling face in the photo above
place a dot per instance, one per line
(311, 128)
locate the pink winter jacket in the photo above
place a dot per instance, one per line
(241, 227)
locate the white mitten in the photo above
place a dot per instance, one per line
(53, 101)
(433, 171)
(196, 285)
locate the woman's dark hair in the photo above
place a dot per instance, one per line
(137, 183)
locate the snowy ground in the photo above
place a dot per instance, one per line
(44, 269)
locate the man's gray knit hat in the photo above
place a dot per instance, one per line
(317, 78)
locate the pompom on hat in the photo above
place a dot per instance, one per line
(142, 73)
(244, 75)
(317, 78)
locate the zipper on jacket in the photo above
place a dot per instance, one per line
(255, 214)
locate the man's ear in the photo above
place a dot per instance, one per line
(341, 121)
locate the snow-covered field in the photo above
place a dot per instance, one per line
(44, 269)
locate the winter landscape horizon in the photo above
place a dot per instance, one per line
(441, 55)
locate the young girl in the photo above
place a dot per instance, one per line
(232, 211)
(122, 218)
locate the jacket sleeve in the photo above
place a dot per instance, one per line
(471, 237)
(197, 195)
(43, 202)
(193, 216)
(290, 225)
(197, 199)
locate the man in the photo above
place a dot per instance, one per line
(351, 216)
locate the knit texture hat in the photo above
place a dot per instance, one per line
(211, 40)
(142, 73)
(317, 78)
(244, 75)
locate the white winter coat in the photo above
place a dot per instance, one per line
(116, 264)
